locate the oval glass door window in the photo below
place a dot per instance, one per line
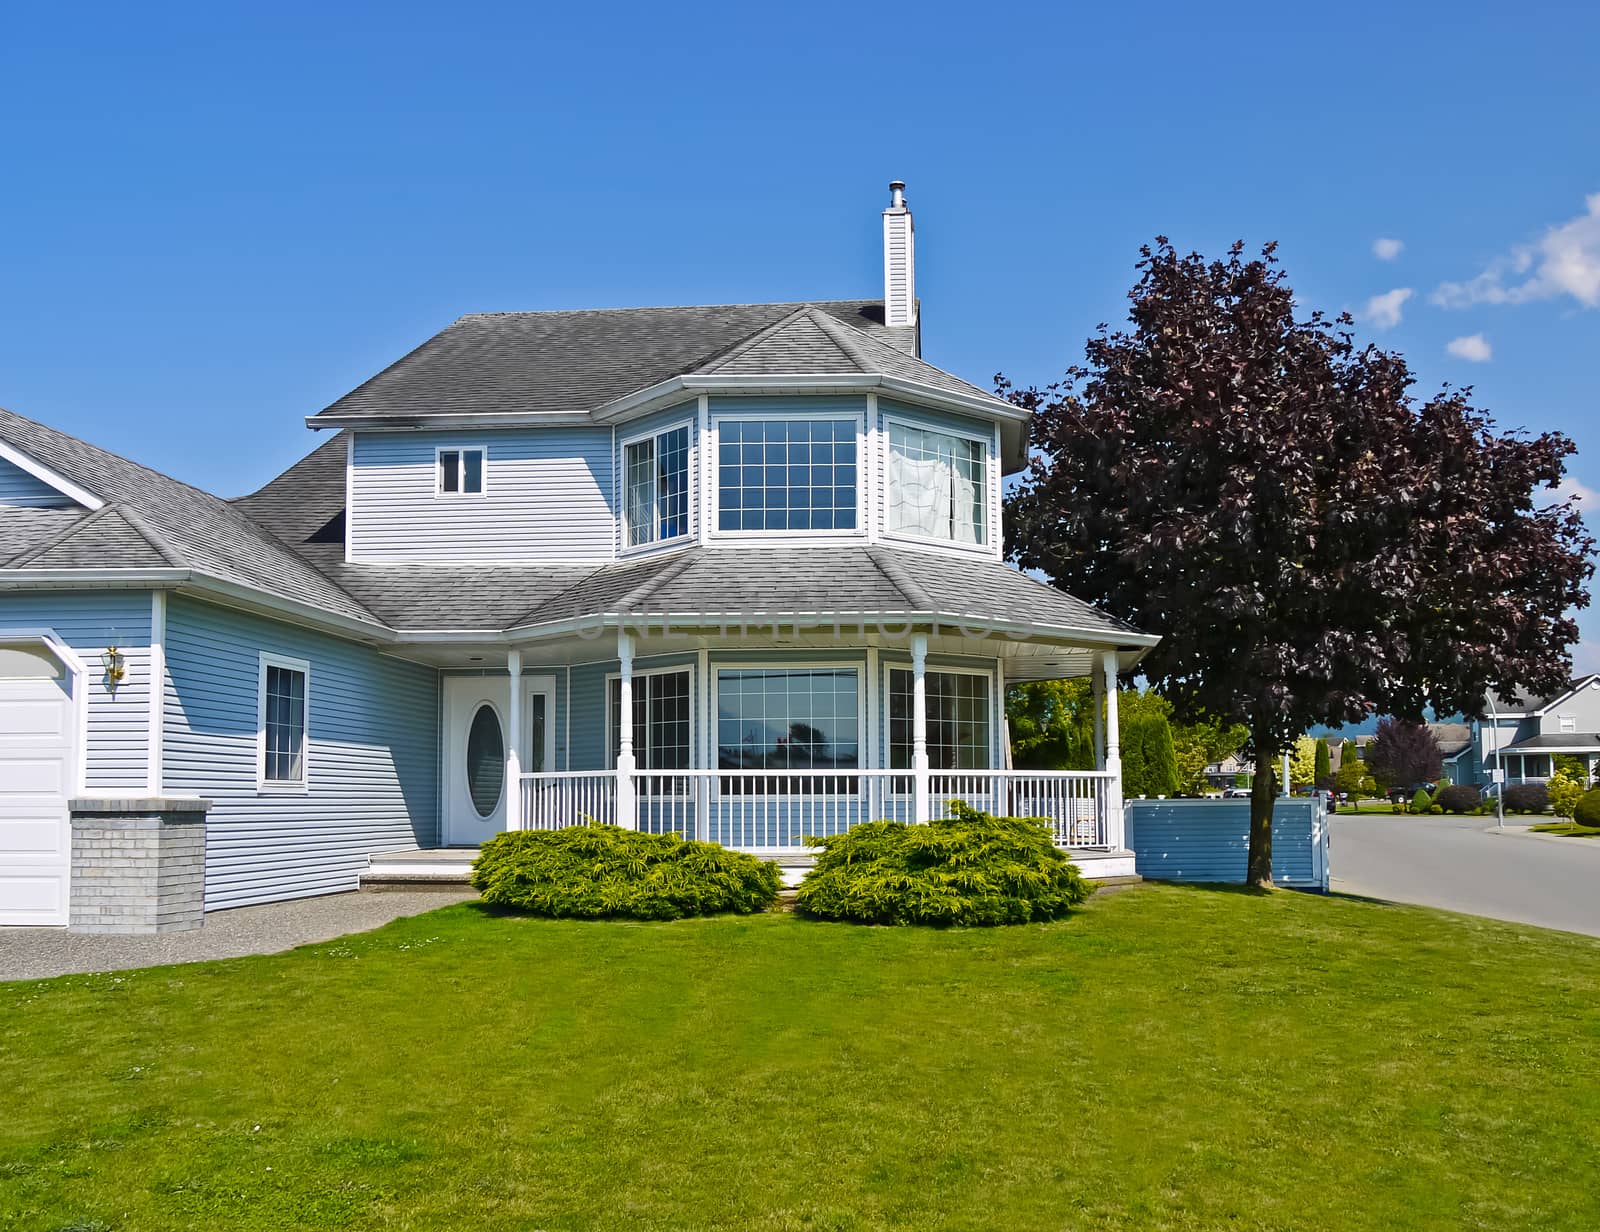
(486, 760)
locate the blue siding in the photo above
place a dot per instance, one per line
(119, 720)
(20, 490)
(1209, 840)
(548, 495)
(372, 755)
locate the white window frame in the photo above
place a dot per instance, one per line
(820, 665)
(986, 445)
(988, 674)
(1567, 723)
(714, 496)
(691, 515)
(302, 785)
(461, 471)
(639, 673)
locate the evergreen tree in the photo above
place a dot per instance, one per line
(1323, 776)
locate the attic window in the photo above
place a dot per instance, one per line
(460, 472)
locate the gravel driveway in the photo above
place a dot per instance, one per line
(35, 953)
(1465, 864)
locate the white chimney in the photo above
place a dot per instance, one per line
(899, 260)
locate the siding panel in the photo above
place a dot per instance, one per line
(372, 755)
(548, 495)
(20, 490)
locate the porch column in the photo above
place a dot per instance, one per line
(919, 727)
(1113, 752)
(1097, 687)
(1283, 785)
(514, 742)
(627, 818)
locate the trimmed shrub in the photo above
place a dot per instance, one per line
(1421, 802)
(605, 872)
(1459, 798)
(1588, 811)
(1527, 798)
(972, 869)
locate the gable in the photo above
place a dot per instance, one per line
(26, 485)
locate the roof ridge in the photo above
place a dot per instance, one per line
(900, 579)
(750, 341)
(575, 312)
(655, 581)
(846, 344)
(164, 547)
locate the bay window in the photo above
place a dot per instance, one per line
(938, 485)
(655, 474)
(786, 474)
(958, 720)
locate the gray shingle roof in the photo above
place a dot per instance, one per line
(202, 531)
(25, 530)
(113, 537)
(574, 362)
(1553, 740)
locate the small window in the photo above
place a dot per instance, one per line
(461, 472)
(1569, 723)
(283, 716)
(656, 482)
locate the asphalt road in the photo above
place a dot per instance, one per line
(1465, 864)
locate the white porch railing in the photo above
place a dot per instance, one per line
(777, 809)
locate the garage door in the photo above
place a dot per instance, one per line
(37, 745)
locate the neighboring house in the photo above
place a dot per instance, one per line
(1225, 773)
(1454, 740)
(734, 572)
(1522, 734)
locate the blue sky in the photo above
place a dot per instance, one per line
(216, 219)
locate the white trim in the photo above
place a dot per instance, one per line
(50, 477)
(691, 511)
(990, 495)
(156, 715)
(706, 464)
(870, 469)
(788, 416)
(350, 493)
(461, 452)
(264, 785)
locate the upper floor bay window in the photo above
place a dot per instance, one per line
(460, 472)
(937, 484)
(787, 475)
(656, 482)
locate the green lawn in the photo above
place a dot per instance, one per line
(1168, 1059)
(1569, 828)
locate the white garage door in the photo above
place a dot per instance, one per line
(37, 744)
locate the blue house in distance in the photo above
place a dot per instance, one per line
(732, 571)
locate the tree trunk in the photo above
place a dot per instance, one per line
(1258, 869)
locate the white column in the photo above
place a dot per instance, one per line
(1097, 686)
(514, 742)
(627, 818)
(1113, 753)
(1283, 786)
(919, 726)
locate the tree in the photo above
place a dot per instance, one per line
(1149, 766)
(1404, 754)
(1566, 789)
(1324, 767)
(1052, 725)
(1198, 745)
(1308, 540)
(1303, 762)
(1352, 775)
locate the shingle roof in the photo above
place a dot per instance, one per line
(1526, 703)
(202, 531)
(1553, 740)
(113, 537)
(574, 362)
(25, 530)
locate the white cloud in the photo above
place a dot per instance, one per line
(1383, 311)
(1386, 249)
(1570, 486)
(1565, 260)
(1474, 348)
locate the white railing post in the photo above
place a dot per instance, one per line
(514, 742)
(919, 727)
(627, 814)
(1113, 820)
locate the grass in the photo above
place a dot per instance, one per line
(1169, 1058)
(1569, 828)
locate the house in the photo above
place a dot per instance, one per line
(733, 571)
(1523, 734)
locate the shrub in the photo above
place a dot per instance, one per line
(1527, 798)
(596, 872)
(970, 869)
(1565, 789)
(1588, 811)
(1459, 798)
(1421, 802)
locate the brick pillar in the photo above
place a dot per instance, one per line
(138, 864)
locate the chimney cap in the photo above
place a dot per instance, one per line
(897, 194)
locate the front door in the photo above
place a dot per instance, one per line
(476, 718)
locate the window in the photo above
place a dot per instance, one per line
(937, 484)
(282, 722)
(656, 480)
(1569, 723)
(660, 720)
(786, 474)
(461, 472)
(790, 719)
(958, 720)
